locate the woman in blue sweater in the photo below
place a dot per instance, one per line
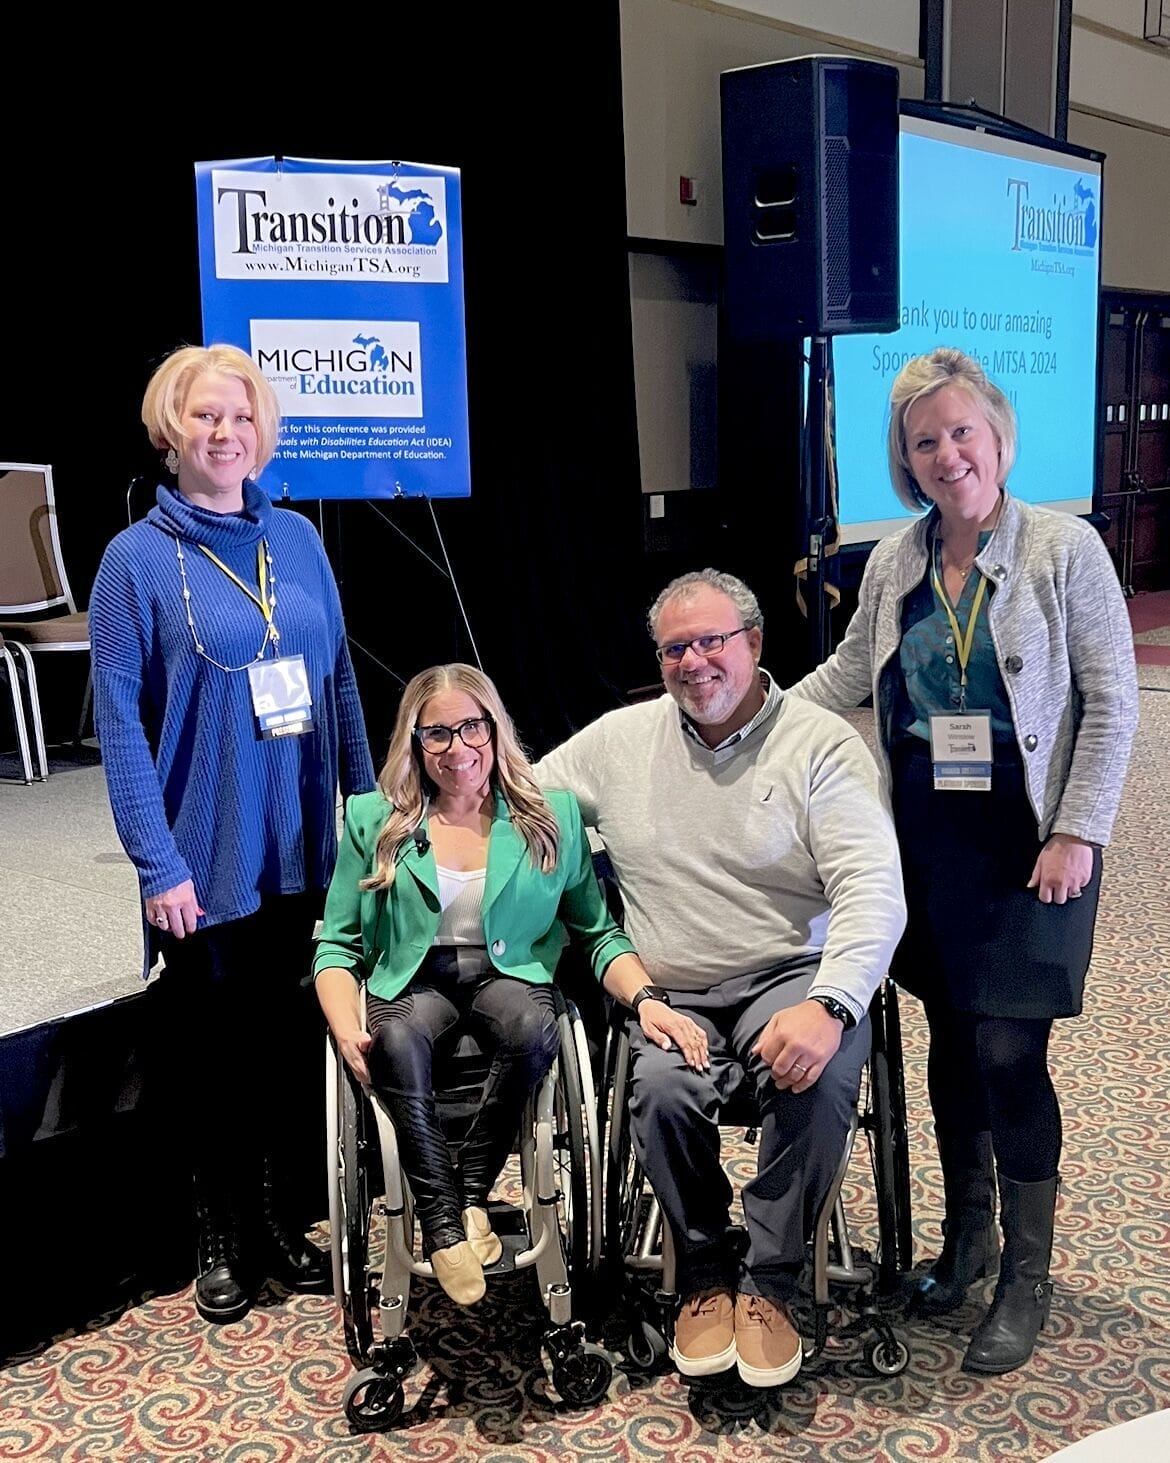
(228, 715)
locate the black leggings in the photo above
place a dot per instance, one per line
(235, 1002)
(991, 1073)
(513, 1021)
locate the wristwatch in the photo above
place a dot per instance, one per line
(649, 993)
(836, 1008)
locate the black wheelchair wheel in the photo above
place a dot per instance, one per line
(891, 1155)
(888, 1357)
(625, 1183)
(583, 1378)
(357, 1207)
(645, 1346)
(571, 1169)
(373, 1402)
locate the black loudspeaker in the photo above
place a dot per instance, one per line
(810, 197)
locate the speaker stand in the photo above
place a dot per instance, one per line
(815, 492)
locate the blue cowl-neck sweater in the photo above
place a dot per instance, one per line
(196, 794)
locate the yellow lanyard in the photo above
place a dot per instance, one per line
(261, 600)
(963, 640)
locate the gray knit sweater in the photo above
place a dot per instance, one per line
(1065, 648)
(730, 861)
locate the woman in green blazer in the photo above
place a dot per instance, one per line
(454, 884)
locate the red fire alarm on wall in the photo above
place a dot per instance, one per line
(686, 192)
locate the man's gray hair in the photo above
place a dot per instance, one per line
(686, 586)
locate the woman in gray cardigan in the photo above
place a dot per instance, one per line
(994, 640)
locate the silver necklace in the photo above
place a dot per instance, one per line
(271, 633)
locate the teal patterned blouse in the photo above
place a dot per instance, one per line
(930, 662)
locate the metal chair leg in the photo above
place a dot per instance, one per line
(18, 713)
(34, 706)
(86, 703)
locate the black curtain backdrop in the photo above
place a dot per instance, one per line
(100, 282)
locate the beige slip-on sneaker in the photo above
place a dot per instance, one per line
(458, 1271)
(477, 1226)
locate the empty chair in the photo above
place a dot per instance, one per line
(38, 615)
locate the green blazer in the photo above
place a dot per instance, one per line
(383, 936)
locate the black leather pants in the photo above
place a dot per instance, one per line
(514, 1022)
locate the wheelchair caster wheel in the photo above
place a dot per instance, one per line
(888, 1357)
(645, 1346)
(373, 1402)
(583, 1377)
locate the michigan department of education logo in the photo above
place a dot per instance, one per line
(348, 367)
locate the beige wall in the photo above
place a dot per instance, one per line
(672, 54)
(1135, 239)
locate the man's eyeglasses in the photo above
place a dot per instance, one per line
(475, 732)
(703, 645)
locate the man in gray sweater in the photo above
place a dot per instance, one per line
(758, 867)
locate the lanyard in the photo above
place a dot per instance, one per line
(963, 640)
(262, 601)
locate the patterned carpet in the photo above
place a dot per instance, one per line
(155, 1383)
(1150, 616)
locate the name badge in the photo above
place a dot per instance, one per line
(960, 747)
(280, 697)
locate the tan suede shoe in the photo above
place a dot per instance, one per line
(477, 1226)
(704, 1334)
(766, 1341)
(458, 1271)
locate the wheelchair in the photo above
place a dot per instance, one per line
(640, 1258)
(373, 1234)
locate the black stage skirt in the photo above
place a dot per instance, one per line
(977, 938)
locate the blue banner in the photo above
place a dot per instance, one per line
(344, 282)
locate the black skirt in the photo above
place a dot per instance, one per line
(977, 939)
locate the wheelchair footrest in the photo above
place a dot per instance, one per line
(513, 1244)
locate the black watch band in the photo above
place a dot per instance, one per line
(649, 993)
(838, 1009)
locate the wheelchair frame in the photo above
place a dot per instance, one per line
(560, 1168)
(640, 1245)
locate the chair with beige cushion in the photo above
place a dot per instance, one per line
(38, 615)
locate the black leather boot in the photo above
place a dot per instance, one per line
(970, 1239)
(291, 1258)
(220, 1296)
(1023, 1297)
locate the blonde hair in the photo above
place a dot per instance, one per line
(921, 377)
(405, 785)
(166, 395)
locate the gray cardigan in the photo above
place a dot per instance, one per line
(1062, 636)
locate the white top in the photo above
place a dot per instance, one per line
(461, 900)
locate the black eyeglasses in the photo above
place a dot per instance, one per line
(703, 645)
(476, 731)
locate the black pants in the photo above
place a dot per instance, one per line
(514, 1022)
(246, 1050)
